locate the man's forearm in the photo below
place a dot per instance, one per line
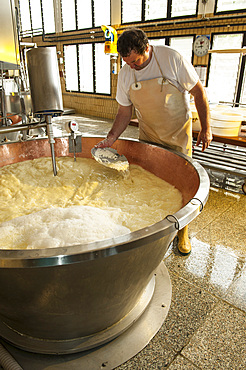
(202, 106)
(121, 122)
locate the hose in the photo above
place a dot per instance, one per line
(7, 361)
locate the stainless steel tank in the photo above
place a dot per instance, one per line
(13, 103)
(44, 80)
(67, 300)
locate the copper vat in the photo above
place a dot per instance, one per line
(65, 300)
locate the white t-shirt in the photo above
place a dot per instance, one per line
(175, 68)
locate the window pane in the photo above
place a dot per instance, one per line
(70, 58)
(183, 45)
(225, 5)
(155, 9)
(36, 14)
(101, 12)
(86, 67)
(25, 15)
(131, 11)
(68, 15)
(224, 68)
(84, 14)
(48, 14)
(157, 41)
(102, 69)
(181, 8)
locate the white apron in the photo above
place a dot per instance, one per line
(161, 112)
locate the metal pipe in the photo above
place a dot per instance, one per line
(52, 142)
(14, 128)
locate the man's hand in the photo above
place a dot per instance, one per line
(108, 142)
(204, 136)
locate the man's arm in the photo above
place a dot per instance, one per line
(202, 106)
(121, 122)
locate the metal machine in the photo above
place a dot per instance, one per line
(30, 90)
(45, 95)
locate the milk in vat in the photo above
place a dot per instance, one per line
(84, 203)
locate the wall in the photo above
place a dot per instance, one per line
(106, 106)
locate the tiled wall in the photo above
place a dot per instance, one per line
(106, 106)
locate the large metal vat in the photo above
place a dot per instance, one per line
(65, 300)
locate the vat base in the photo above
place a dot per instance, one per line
(115, 352)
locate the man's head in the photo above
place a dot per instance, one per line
(133, 46)
(132, 39)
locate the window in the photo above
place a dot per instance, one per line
(131, 11)
(102, 70)
(157, 41)
(229, 5)
(31, 17)
(71, 69)
(147, 10)
(101, 12)
(183, 45)
(25, 16)
(181, 8)
(84, 14)
(224, 68)
(68, 15)
(86, 68)
(155, 9)
(48, 16)
(94, 68)
(36, 15)
(86, 18)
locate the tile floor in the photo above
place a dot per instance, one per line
(206, 323)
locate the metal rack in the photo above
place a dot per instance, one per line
(224, 163)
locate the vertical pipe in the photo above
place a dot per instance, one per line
(52, 142)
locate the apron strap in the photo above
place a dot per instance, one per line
(162, 75)
(164, 79)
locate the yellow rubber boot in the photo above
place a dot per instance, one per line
(184, 245)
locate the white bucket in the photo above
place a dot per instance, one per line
(225, 131)
(225, 123)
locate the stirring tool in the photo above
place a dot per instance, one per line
(110, 158)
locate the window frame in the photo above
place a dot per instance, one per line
(192, 35)
(76, 17)
(32, 32)
(242, 69)
(169, 12)
(94, 70)
(227, 11)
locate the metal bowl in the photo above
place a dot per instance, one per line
(67, 300)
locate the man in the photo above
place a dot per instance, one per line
(156, 81)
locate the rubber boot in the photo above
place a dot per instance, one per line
(184, 245)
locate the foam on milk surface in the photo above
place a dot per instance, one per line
(85, 202)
